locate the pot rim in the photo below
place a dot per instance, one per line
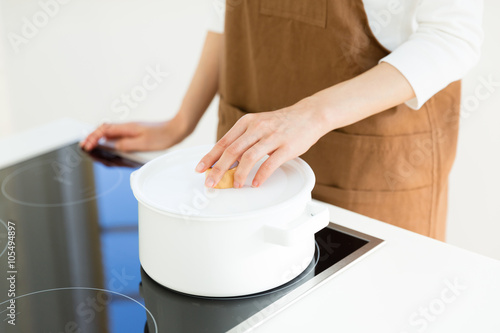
(303, 195)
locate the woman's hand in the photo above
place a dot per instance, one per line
(138, 136)
(283, 135)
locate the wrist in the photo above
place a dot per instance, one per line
(341, 105)
(180, 124)
(321, 113)
(171, 132)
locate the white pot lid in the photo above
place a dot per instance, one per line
(170, 184)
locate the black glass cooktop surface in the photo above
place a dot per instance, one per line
(69, 257)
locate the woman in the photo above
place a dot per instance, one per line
(376, 116)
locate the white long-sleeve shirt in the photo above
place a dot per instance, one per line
(432, 42)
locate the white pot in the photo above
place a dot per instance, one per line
(228, 242)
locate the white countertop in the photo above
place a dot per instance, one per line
(391, 289)
(410, 284)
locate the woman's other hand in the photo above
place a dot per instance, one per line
(138, 136)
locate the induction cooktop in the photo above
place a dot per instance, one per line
(70, 262)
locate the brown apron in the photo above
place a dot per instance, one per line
(392, 166)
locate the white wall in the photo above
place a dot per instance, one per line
(93, 51)
(474, 212)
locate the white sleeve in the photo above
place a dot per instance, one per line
(445, 45)
(216, 14)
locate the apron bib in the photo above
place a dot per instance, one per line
(392, 166)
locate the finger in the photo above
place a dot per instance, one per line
(248, 160)
(109, 131)
(93, 138)
(275, 160)
(216, 152)
(229, 157)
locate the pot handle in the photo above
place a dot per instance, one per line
(316, 216)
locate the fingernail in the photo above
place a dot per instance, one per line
(200, 167)
(87, 146)
(81, 143)
(209, 182)
(255, 183)
(236, 185)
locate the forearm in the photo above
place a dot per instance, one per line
(204, 83)
(374, 91)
